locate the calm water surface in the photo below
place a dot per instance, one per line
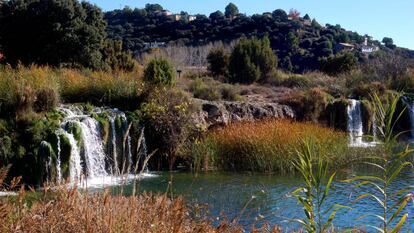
(256, 199)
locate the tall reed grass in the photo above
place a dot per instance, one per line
(268, 146)
(42, 88)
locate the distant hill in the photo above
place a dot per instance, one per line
(299, 42)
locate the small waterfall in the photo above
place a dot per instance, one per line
(355, 127)
(75, 167)
(114, 148)
(58, 161)
(94, 152)
(410, 107)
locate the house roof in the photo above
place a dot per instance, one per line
(347, 45)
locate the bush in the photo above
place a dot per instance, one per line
(201, 90)
(338, 64)
(218, 62)
(159, 72)
(252, 60)
(166, 116)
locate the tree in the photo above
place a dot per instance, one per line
(294, 14)
(280, 15)
(338, 64)
(231, 10)
(388, 42)
(218, 62)
(159, 72)
(167, 118)
(252, 60)
(153, 7)
(116, 59)
(53, 32)
(217, 15)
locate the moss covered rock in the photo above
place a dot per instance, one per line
(65, 152)
(336, 114)
(75, 129)
(367, 114)
(48, 160)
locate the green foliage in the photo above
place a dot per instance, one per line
(166, 116)
(313, 168)
(115, 58)
(159, 72)
(389, 165)
(231, 10)
(218, 62)
(209, 89)
(340, 63)
(57, 32)
(280, 15)
(252, 60)
(388, 42)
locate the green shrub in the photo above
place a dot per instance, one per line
(201, 90)
(230, 92)
(252, 60)
(218, 62)
(338, 64)
(160, 72)
(166, 116)
(299, 81)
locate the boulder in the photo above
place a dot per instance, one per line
(219, 113)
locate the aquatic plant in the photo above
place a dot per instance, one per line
(389, 164)
(270, 145)
(314, 172)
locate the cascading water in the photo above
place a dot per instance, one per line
(94, 151)
(93, 161)
(355, 125)
(75, 167)
(58, 161)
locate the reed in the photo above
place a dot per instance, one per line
(69, 210)
(269, 145)
(41, 88)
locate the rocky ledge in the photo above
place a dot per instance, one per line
(219, 113)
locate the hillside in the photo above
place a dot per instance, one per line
(299, 42)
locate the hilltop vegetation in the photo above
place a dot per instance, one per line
(301, 43)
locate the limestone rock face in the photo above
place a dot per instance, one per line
(219, 113)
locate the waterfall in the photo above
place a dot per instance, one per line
(94, 151)
(75, 167)
(58, 162)
(410, 107)
(93, 159)
(355, 127)
(114, 148)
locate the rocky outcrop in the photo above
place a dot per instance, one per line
(218, 113)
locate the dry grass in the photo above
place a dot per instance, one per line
(268, 146)
(24, 89)
(72, 211)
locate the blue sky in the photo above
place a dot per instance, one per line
(378, 18)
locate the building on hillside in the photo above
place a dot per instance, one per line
(192, 18)
(176, 17)
(340, 47)
(154, 45)
(368, 48)
(163, 13)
